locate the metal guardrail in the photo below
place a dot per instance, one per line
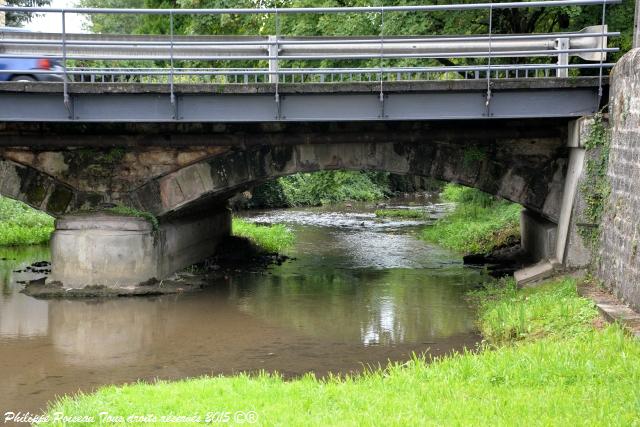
(268, 54)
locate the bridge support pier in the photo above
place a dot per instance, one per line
(558, 243)
(99, 249)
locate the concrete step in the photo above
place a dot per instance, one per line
(534, 273)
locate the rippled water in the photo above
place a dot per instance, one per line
(359, 291)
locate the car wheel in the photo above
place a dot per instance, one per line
(22, 79)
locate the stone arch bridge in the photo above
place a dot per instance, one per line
(184, 173)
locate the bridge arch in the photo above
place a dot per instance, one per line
(40, 190)
(531, 175)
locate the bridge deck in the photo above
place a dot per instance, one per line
(406, 100)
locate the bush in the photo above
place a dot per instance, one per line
(320, 188)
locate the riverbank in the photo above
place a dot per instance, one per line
(20, 224)
(479, 223)
(546, 353)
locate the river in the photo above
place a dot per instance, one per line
(358, 291)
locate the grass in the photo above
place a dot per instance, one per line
(554, 309)
(561, 371)
(127, 211)
(272, 238)
(478, 224)
(20, 224)
(401, 213)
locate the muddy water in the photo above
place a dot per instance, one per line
(360, 292)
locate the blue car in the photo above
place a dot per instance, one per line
(27, 66)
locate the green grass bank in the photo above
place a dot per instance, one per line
(271, 238)
(543, 363)
(20, 224)
(478, 224)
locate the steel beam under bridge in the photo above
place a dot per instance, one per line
(412, 100)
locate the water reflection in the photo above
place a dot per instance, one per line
(20, 316)
(354, 295)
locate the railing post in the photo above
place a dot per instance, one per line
(488, 96)
(172, 98)
(636, 30)
(65, 83)
(2, 14)
(273, 59)
(562, 44)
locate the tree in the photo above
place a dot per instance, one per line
(504, 21)
(113, 23)
(17, 19)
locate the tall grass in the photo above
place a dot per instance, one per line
(21, 224)
(478, 224)
(272, 238)
(554, 309)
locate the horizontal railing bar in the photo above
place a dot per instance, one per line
(219, 71)
(502, 54)
(292, 10)
(321, 41)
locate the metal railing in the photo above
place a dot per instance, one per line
(269, 56)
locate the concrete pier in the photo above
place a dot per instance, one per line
(99, 249)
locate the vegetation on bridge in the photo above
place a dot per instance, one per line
(540, 374)
(478, 224)
(596, 187)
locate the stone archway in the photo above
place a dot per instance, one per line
(529, 173)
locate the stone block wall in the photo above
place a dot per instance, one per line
(618, 257)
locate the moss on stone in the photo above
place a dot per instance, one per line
(596, 187)
(59, 199)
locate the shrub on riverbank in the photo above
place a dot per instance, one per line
(20, 224)
(271, 238)
(539, 381)
(321, 188)
(478, 224)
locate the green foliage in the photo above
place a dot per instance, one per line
(473, 155)
(18, 19)
(507, 21)
(401, 213)
(554, 309)
(21, 224)
(478, 224)
(272, 238)
(319, 188)
(466, 195)
(127, 211)
(537, 382)
(269, 194)
(596, 188)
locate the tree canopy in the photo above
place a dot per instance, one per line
(18, 19)
(504, 21)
